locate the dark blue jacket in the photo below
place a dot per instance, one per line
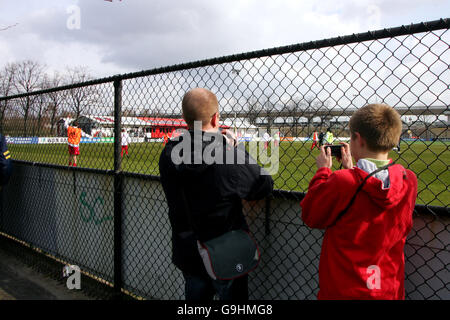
(5, 161)
(213, 192)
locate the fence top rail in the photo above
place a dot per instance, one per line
(443, 23)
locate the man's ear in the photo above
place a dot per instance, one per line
(215, 120)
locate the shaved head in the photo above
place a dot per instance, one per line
(199, 105)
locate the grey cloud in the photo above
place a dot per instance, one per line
(392, 13)
(138, 34)
(142, 34)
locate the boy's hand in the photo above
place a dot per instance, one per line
(324, 158)
(347, 162)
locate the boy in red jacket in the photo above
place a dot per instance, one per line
(362, 251)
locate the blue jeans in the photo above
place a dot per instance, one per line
(203, 288)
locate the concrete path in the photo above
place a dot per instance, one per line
(20, 282)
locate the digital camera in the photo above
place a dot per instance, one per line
(335, 150)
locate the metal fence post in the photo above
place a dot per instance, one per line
(118, 186)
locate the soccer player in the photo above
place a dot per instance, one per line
(166, 138)
(321, 138)
(276, 138)
(73, 140)
(125, 140)
(329, 137)
(315, 140)
(266, 138)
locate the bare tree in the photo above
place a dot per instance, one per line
(309, 105)
(40, 103)
(269, 109)
(296, 107)
(56, 98)
(253, 109)
(81, 99)
(6, 88)
(128, 112)
(27, 78)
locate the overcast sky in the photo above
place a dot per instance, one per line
(132, 35)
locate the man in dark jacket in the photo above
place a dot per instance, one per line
(211, 189)
(5, 162)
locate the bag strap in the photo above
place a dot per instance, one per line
(359, 189)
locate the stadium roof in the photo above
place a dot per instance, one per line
(328, 112)
(142, 121)
(164, 122)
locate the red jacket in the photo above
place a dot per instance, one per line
(362, 253)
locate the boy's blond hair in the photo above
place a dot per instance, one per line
(379, 124)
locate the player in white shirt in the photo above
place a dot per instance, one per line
(125, 140)
(266, 138)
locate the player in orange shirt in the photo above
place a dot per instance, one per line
(73, 139)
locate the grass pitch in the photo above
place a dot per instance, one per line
(428, 160)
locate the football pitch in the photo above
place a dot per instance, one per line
(428, 160)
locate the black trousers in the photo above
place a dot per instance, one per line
(204, 288)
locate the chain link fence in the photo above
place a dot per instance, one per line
(109, 215)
